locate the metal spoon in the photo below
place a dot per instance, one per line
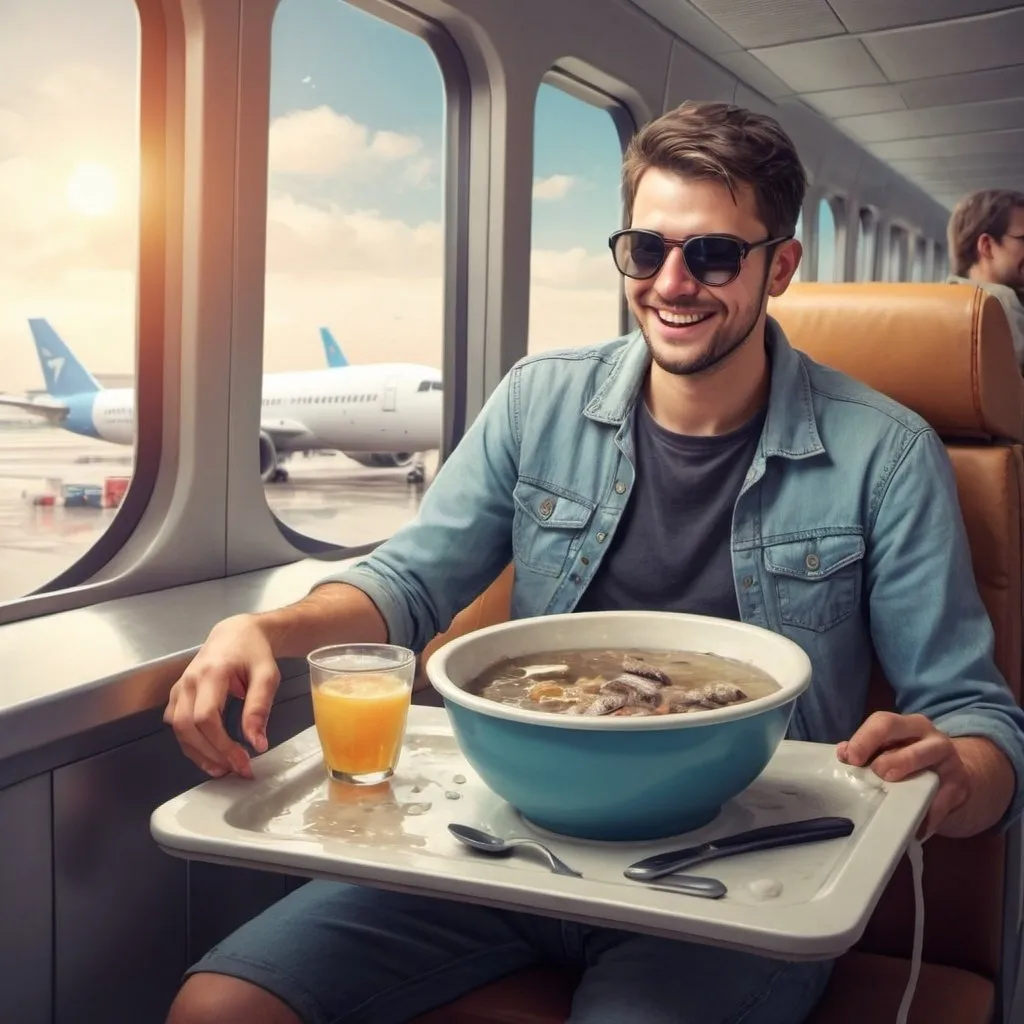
(477, 839)
(487, 843)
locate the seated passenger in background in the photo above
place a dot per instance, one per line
(701, 442)
(986, 248)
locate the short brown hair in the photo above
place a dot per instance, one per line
(980, 213)
(724, 143)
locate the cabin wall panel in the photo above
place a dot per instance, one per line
(222, 898)
(26, 902)
(120, 921)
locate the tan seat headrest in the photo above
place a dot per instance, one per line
(942, 350)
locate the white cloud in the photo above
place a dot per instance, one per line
(573, 268)
(321, 141)
(556, 186)
(394, 146)
(324, 241)
(418, 172)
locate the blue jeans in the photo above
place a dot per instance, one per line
(341, 954)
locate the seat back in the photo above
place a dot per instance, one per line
(945, 352)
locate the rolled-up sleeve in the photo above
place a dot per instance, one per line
(930, 629)
(461, 538)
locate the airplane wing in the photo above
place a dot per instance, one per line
(285, 430)
(49, 408)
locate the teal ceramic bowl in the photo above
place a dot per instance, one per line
(619, 778)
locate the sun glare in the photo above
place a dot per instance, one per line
(92, 190)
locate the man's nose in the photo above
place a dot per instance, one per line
(674, 280)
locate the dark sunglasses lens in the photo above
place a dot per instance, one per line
(639, 254)
(712, 260)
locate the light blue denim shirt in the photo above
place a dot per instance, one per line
(847, 533)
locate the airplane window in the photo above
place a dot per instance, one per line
(826, 241)
(866, 239)
(69, 239)
(898, 254)
(355, 218)
(575, 291)
(917, 267)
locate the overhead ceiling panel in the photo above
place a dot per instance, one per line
(867, 99)
(951, 145)
(971, 87)
(750, 70)
(973, 44)
(966, 163)
(690, 25)
(951, 120)
(934, 88)
(755, 23)
(871, 15)
(838, 63)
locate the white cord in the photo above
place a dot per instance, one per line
(916, 857)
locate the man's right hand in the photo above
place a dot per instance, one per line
(236, 659)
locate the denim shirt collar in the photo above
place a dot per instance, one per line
(790, 428)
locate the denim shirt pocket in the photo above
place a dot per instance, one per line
(817, 579)
(547, 526)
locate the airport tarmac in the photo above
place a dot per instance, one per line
(328, 496)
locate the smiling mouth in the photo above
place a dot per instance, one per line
(670, 319)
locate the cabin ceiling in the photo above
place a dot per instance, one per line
(934, 88)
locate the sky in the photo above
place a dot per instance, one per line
(354, 203)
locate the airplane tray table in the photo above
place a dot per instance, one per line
(292, 818)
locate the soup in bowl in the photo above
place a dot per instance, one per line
(619, 725)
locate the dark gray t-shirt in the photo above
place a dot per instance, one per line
(672, 548)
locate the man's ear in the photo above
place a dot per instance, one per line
(784, 265)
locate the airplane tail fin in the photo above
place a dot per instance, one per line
(63, 373)
(335, 357)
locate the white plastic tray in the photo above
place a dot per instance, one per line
(292, 818)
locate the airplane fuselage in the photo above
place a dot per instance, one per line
(383, 407)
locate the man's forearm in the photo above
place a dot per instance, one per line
(992, 786)
(335, 613)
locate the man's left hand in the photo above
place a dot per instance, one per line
(899, 746)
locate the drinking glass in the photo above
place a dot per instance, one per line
(361, 696)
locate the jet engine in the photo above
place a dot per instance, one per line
(381, 460)
(268, 458)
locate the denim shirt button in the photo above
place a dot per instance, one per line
(748, 582)
(584, 560)
(620, 487)
(600, 537)
(547, 506)
(812, 562)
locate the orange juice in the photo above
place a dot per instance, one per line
(360, 720)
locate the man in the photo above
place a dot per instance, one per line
(986, 248)
(699, 464)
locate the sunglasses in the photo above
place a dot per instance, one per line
(713, 260)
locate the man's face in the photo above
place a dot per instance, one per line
(691, 327)
(1006, 259)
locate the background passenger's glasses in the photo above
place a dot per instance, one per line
(711, 259)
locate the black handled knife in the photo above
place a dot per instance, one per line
(811, 830)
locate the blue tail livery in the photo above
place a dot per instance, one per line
(63, 374)
(335, 357)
